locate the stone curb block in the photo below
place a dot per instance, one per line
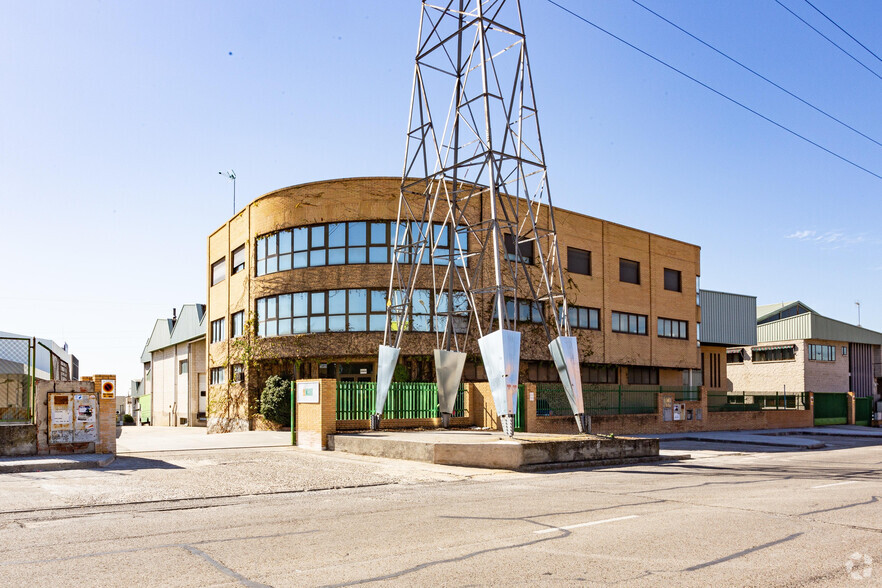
(54, 465)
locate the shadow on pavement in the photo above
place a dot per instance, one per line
(140, 463)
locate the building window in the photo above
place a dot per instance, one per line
(583, 317)
(183, 365)
(844, 350)
(238, 259)
(643, 375)
(528, 311)
(600, 374)
(353, 310)
(629, 271)
(217, 330)
(237, 320)
(218, 271)
(578, 261)
(821, 352)
(237, 373)
(623, 322)
(782, 353)
(672, 329)
(673, 280)
(525, 249)
(354, 242)
(217, 375)
(734, 356)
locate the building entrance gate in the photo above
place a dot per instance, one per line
(831, 408)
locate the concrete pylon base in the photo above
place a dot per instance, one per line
(375, 422)
(507, 422)
(565, 353)
(445, 419)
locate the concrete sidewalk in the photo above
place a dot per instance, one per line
(775, 437)
(54, 463)
(149, 439)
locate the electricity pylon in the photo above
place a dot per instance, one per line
(475, 207)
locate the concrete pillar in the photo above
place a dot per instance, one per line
(316, 418)
(850, 408)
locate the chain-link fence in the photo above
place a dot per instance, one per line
(16, 379)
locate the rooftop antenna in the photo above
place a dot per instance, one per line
(475, 207)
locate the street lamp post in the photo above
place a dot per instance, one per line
(232, 175)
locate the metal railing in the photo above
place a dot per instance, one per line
(406, 400)
(746, 401)
(17, 373)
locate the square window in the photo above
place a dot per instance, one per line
(629, 271)
(673, 280)
(524, 249)
(578, 261)
(218, 271)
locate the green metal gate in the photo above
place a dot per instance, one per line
(520, 418)
(863, 409)
(831, 408)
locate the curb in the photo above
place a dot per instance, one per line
(53, 464)
(599, 463)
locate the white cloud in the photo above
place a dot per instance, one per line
(835, 239)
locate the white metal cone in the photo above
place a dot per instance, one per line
(386, 361)
(501, 351)
(565, 353)
(448, 373)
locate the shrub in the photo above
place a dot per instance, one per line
(127, 418)
(275, 400)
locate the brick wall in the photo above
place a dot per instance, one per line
(315, 422)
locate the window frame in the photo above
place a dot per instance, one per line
(237, 369)
(217, 376)
(515, 251)
(570, 262)
(218, 332)
(238, 267)
(583, 312)
(821, 352)
(667, 325)
(183, 366)
(674, 274)
(218, 276)
(237, 317)
(623, 264)
(616, 318)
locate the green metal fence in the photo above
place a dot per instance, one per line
(551, 400)
(747, 401)
(406, 400)
(831, 408)
(17, 373)
(863, 411)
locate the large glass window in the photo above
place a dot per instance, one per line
(623, 322)
(217, 375)
(643, 375)
(525, 311)
(353, 242)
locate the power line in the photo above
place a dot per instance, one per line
(715, 91)
(757, 74)
(843, 30)
(858, 61)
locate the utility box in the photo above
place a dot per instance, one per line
(73, 421)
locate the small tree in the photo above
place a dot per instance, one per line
(275, 400)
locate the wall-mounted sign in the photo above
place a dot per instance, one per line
(308, 392)
(108, 389)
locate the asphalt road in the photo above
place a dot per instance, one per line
(733, 516)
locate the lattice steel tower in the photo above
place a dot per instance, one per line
(475, 219)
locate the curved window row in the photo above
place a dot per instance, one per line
(353, 242)
(351, 310)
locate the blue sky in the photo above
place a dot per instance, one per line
(117, 117)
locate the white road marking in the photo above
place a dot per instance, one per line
(568, 527)
(836, 484)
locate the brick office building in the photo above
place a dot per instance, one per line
(801, 350)
(298, 280)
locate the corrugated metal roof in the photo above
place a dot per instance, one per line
(811, 325)
(728, 319)
(190, 325)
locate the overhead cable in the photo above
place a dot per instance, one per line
(858, 61)
(757, 74)
(835, 24)
(717, 92)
